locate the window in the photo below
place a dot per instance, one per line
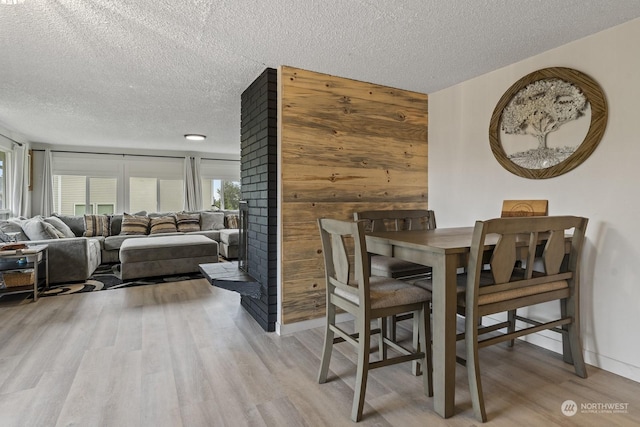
(105, 208)
(220, 193)
(102, 194)
(79, 195)
(155, 195)
(105, 183)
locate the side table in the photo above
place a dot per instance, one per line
(35, 257)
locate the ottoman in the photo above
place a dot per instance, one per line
(166, 255)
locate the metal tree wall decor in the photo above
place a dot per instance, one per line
(538, 104)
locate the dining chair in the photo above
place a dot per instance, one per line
(395, 220)
(381, 265)
(350, 287)
(517, 208)
(520, 208)
(550, 273)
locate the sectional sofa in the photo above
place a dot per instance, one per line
(79, 244)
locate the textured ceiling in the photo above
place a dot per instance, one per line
(138, 74)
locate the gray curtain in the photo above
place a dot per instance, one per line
(47, 185)
(19, 185)
(192, 184)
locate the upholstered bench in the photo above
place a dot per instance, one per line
(166, 255)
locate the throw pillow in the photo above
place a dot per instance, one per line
(188, 222)
(13, 225)
(60, 226)
(211, 220)
(96, 225)
(162, 224)
(232, 221)
(134, 225)
(75, 223)
(36, 229)
(115, 224)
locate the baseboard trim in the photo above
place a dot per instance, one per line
(552, 341)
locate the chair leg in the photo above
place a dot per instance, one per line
(391, 331)
(473, 367)
(362, 370)
(511, 317)
(425, 334)
(328, 344)
(382, 347)
(572, 344)
(418, 338)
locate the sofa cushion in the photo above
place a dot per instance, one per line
(75, 223)
(96, 225)
(36, 229)
(211, 220)
(114, 242)
(162, 225)
(188, 222)
(158, 214)
(212, 234)
(60, 226)
(230, 236)
(134, 225)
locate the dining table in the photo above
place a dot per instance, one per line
(444, 250)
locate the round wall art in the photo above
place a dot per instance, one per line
(548, 123)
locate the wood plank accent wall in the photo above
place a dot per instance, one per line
(345, 145)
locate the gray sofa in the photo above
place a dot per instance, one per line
(75, 253)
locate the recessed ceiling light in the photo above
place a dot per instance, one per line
(195, 137)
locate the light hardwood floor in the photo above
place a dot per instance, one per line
(187, 354)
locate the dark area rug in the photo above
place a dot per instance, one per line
(107, 277)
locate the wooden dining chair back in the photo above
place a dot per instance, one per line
(396, 220)
(551, 272)
(350, 288)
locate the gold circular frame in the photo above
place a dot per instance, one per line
(595, 97)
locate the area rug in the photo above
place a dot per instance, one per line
(107, 277)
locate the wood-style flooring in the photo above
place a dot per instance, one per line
(187, 354)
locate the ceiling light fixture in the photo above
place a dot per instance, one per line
(195, 137)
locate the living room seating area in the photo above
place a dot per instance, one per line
(79, 244)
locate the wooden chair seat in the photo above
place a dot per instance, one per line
(387, 292)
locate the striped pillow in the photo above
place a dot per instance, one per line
(134, 225)
(96, 225)
(163, 224)
(188, 222)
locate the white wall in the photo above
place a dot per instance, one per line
(467, 183)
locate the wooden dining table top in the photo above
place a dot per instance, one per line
(446, 240)
(456, 239)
